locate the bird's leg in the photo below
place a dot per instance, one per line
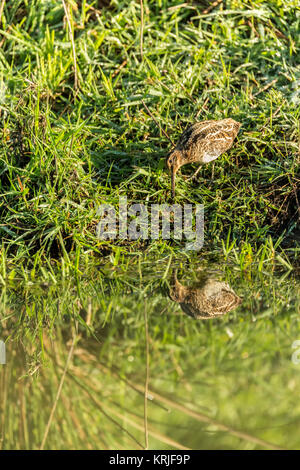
(195, 174)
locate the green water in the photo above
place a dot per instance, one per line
(82, 355)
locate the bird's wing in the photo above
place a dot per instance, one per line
(217, 143)
(194, 312)
(199, 130)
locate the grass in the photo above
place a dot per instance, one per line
(75, 134)
(90, 98)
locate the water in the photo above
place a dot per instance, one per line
(83, 355)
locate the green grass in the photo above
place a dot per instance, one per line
(64, 151)
(75, 134)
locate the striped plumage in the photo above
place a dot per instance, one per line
(203, 142)
(214, 298)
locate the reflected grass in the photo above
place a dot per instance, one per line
(223, 383)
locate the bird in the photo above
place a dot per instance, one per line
(202, 143)
(209, 300)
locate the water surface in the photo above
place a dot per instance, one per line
(165, 355)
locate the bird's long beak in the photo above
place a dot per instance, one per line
(173, 172)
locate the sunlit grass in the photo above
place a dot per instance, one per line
(64, 151)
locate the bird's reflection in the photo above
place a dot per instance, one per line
(210, 299)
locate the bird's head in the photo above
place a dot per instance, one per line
(174, 160)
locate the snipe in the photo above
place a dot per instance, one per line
(202, 143)
(212, 299)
